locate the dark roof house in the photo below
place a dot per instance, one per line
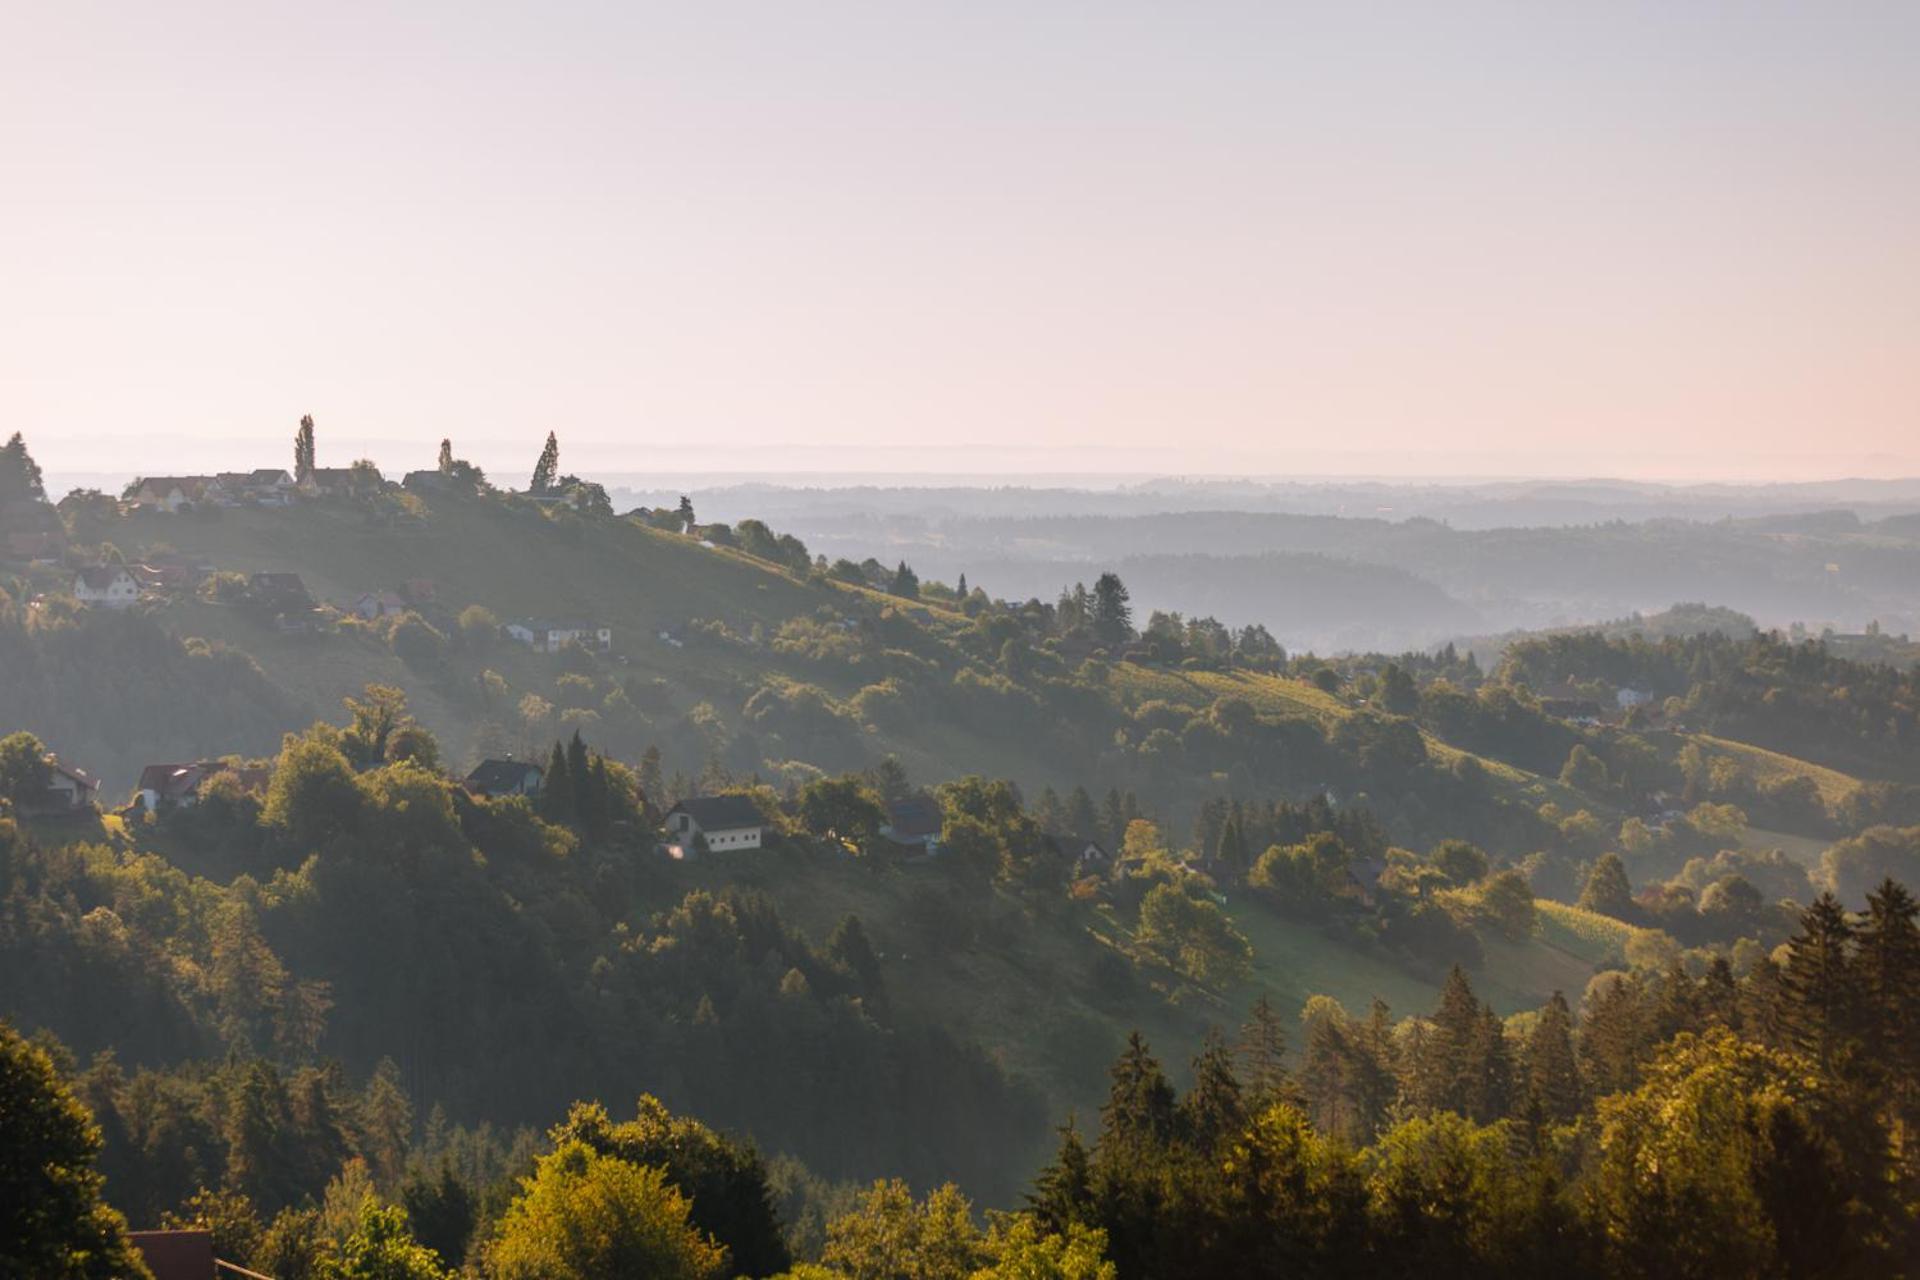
(504, 778)
(914, 820)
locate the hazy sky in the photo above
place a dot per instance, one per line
(1630, 238)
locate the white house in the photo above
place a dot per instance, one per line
(170, 493)
(727, 822)
(550, 637)
(69, 790)
(1627, 698)
(109, 585)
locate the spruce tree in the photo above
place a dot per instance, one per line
(1262, 1054)
(1062, 1192)
(1816, 986)
(1607, 890)
(1552, 1074)
(1140, 1102)
(1889, 987)
(1213, 1112)
(1112, 612)
(20, 479)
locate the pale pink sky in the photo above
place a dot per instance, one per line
(1624, 238)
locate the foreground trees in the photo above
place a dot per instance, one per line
(53, 1224)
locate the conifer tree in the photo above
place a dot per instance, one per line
(1062, 1192)
(684, 514)
(1112, 613)
(1081, 818)
(556, 789)
(1552, 1074)
(1140, 1102)
(650, 782)
(1816, 986)
(1262, 1054)
(1889, 992)
(548, 468)
(1613, 1036)
(446, 457)
(1607, 890)
(20, 479)
(1213, 1112)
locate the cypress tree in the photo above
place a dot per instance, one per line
(556, 789)
(580, 774)
(545, 470)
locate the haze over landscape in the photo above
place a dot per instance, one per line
(959, 642)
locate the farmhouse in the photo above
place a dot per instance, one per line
(69, 790)
(544, 636)
(373, 605)
(108, 585)
(177, 786)
(504, 778)
(726, 822)
(916, 820)
(170, 493)
(267, 487)
(1084, 854)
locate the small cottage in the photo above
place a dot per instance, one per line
(504, 778)
(726, 822)
(111, 586)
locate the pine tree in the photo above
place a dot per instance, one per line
(1062, 1192)
(1607, 890)
(1552, 1074)
(20, 478)
(684, 514)
(1213, 1112)
(1490, 1095)
(446, 457)
(1262, 1052)
(1081, 819)
(1455, 1045)
(1140, 1102)
(1816, 987)
(960, 590)
(1613, 1037)
(548, 468)
(1112, 613)
(1889, 964)
(1323, 1079)
(906, 583)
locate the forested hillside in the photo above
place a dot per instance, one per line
(339, 1004)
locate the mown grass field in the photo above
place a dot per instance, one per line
(1770, 766)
